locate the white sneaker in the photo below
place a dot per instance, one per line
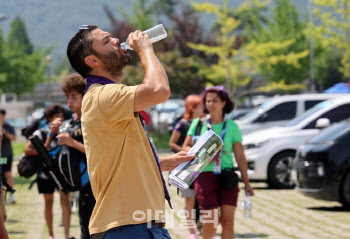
(11, 200)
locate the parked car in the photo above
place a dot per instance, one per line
(238, 113)
(322, 166)
(270, 153)
(163, 114)
(279, 110)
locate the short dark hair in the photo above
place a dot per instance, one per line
(52, 110)
(2, 111)
(78, 48)
(223, 95)
(73, 82)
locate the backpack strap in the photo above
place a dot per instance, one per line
(199, 126)
(36, 178)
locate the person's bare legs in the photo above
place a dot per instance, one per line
(227, 221)
(65, 212)
(3, 232)
(9, 179)
(48, 211)
(189, 206)
(11, 182)
(209, 223)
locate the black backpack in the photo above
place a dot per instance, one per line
(29, 165)
(68, 173)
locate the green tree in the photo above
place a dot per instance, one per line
(229, 69)
(334, 28)
(24, 71)
(3, 62)
(164, 8)
(280, 48)
(20, 70)
(18, 37)
(142, 17)
(181, 71)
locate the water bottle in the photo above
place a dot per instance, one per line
(195, 139)
(217, 164)
(247, 204)
(64, 150)
(155, 34)
(64, 156)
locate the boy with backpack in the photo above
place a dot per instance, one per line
(74, 88)
(54, 115)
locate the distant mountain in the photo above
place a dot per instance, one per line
(53, 23)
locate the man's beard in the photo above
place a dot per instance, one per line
(113, 62)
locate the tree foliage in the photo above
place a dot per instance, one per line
(142, 17)
(172, 51)
(181, 71)
(280, 48)
(229, 69)
(18, 37)
(334, 28)
(21, 67)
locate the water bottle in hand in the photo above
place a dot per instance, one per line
(247, 203)
(64, 156)
(155, 34)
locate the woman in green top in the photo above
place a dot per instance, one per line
(212, 194)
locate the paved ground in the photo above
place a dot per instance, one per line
(276, 214)
(284, 214)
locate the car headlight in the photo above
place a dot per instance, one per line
(255, 145)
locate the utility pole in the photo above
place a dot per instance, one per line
(48, 70)
(311, 56)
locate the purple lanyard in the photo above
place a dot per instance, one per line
(97, 80)
(167, 196)
(104, 81)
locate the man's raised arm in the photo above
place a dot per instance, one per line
(155, 86)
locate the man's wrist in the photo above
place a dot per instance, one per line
(50, 134)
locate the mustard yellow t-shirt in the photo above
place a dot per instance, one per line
(124, 175)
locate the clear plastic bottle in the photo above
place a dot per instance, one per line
(155, 34)
(217, 164)
(247, 204)
(64, 156)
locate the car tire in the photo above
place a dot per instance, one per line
(279, 170)
(346, 191)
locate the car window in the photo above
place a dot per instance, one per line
(311, 103)
(332, 133)
(307, 114)
(252, 114)
(283, 111)
(337, 114)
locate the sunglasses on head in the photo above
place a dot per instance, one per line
(218, 87)
(81, 29)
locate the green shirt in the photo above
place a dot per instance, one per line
(232, 136)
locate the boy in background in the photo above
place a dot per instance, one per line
(74, 88)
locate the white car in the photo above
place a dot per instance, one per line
(279, 110)
(270, 152)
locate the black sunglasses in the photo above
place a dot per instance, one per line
(81, 29)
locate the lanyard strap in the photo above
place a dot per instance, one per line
(97, 80)
(223, 132)
(167, 196)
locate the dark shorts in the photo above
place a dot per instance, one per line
(86, 206)
(138, 231)
(210, 196)
(46, 185)
(8, 166)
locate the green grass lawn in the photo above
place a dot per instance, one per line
(161, 141)
(18, 148)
